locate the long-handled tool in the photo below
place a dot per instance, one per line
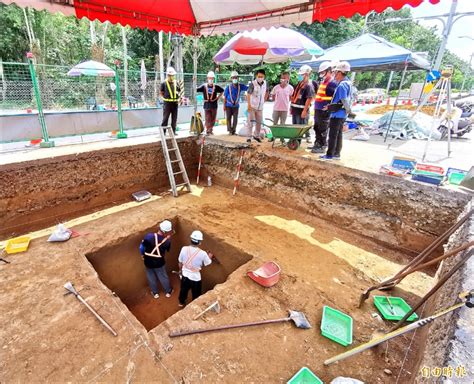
(72, 290)
(200, 160)
(420, 267)
(297, 317)
(433, 290)
(237, 177)
(215, 306)
(391, 282)
(467, 298)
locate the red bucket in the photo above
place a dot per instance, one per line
(267, 275)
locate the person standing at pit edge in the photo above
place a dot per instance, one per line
(302, 98)
(153, 249)
(231, 102)
(282, 93)
(256, 96)
(339, 108)
(212, 94)
(325, 92)
(191, 259)
(170, 91)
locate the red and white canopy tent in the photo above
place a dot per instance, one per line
(212, 17)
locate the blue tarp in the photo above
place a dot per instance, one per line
(370, 53)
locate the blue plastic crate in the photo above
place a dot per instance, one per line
(427, 179)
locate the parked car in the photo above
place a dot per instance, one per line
(371, 95)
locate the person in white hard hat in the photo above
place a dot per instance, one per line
(232, 96)
(339, 108)
(153, 249)
(191, 259)
(302, 98)
(212, 93)
(326, 87)
(170, 91)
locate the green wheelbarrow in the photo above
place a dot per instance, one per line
(292, 132)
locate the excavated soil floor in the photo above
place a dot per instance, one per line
(47, 336)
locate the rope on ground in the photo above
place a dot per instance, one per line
(409, 346)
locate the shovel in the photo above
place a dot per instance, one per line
(297, 317)
(72, 290)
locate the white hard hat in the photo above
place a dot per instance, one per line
(197, 236)
(305, 69)
(170, 71)
(324, 66)
(211, 74)
(234, 74)
(343, 66)
(166, 226)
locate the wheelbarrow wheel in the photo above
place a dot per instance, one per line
(293, 144)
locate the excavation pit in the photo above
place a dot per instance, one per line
(121, 269)
(334, 231)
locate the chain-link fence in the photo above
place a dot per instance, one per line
(16, 87)
(62, 93)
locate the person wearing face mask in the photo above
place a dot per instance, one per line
(256, 96)
(339, 108)
(212, 93)
(282, 93)
(326, 88)
(169, 92)
(232, 95)
(302, 98)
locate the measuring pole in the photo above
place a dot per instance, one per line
(46, 143)
(237, 177)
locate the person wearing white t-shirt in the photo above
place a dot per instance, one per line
(191, 259)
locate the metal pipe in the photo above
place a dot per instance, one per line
(44, 129)
(446, 32)
(195, 59)
(433, 290)
(121, 134)
(396, 102)
(389, 82)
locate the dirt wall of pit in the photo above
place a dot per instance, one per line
(38, 193)
(444, 345)
(120, 267)
(392, 210)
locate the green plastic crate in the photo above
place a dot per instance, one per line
(455, 176)
(400, 308)
(337, 326)
(305, 376)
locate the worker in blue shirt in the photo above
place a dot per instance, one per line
(232, 95)
(153, 249)
(339, 108)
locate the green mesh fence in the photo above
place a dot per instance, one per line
(16, 88)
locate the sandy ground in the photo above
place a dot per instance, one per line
(46, 336)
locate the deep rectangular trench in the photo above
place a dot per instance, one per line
(121, 269)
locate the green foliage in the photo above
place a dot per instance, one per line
(67, 41)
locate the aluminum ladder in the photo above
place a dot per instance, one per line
(167, 151)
